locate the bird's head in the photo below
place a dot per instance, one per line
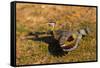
(52, 25)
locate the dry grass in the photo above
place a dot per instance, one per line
(33, 17)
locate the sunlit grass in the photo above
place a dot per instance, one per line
(35, 18)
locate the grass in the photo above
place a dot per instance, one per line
(35, 18)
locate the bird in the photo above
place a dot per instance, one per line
(66, 40)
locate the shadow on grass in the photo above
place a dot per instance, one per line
(54, 46)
